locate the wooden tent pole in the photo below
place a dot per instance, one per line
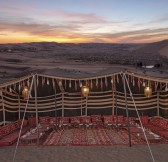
(113, 97)
(35, 95)
(55, 91)
(86, 106)
(126, 104)
(116, 111)
(19, 105)
(62, 104)
(81, 104)
(3, 108)
(158, 112)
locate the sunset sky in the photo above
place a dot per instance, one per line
(75, 21)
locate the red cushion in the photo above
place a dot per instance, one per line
(144, 119)
(1, 134)
(53, 120)
(108, 119)
(120, 118)
(32, 121)
(44, 120)
(85, 120)
(12, 126)
(5, 130)
(96, 118)
(64, 120)
(25, 122)
(163, 123)
(75, 120)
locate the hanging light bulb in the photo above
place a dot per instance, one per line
(148, 91)
(25, 92)
(85, 91)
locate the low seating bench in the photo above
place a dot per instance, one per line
(10, 132)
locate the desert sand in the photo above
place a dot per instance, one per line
(138, 153)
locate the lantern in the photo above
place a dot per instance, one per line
(148, 91)
(85, 91)
(25, 93)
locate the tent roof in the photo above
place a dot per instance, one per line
(150, 74)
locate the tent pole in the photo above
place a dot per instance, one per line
(55, 107)
(158, 113)
(117, 112)
(35, 95)
(3, 108)
(113, 93)
(81, 105)
(86, 106)
(62, 104)
(19, 105)
(126, 104)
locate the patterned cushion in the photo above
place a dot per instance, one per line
(75, 120)
(44, 120)
(108, 119)
(64, 120)
(6, 130)
(144, 119)
(163, 123)
(1, 134)
(18, 124)
(25, 122)
(12, 126)
(85, 120)
(120, 118)
(53, 120)
(32, 121)
(96, 118)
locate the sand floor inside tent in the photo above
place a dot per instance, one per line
(85, 154)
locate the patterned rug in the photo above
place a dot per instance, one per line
(92, 136)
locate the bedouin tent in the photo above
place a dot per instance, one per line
(58, 93)
(60, 90)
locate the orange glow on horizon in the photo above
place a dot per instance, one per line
(10, 37)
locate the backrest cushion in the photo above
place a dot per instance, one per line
(75, 120)
(64, 120)
(6, 130)
(85, 119)
(108, 119)
(44, 120)
(96, 118)
(12, 126)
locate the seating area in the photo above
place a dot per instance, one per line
(10, 132)
(158, 125)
